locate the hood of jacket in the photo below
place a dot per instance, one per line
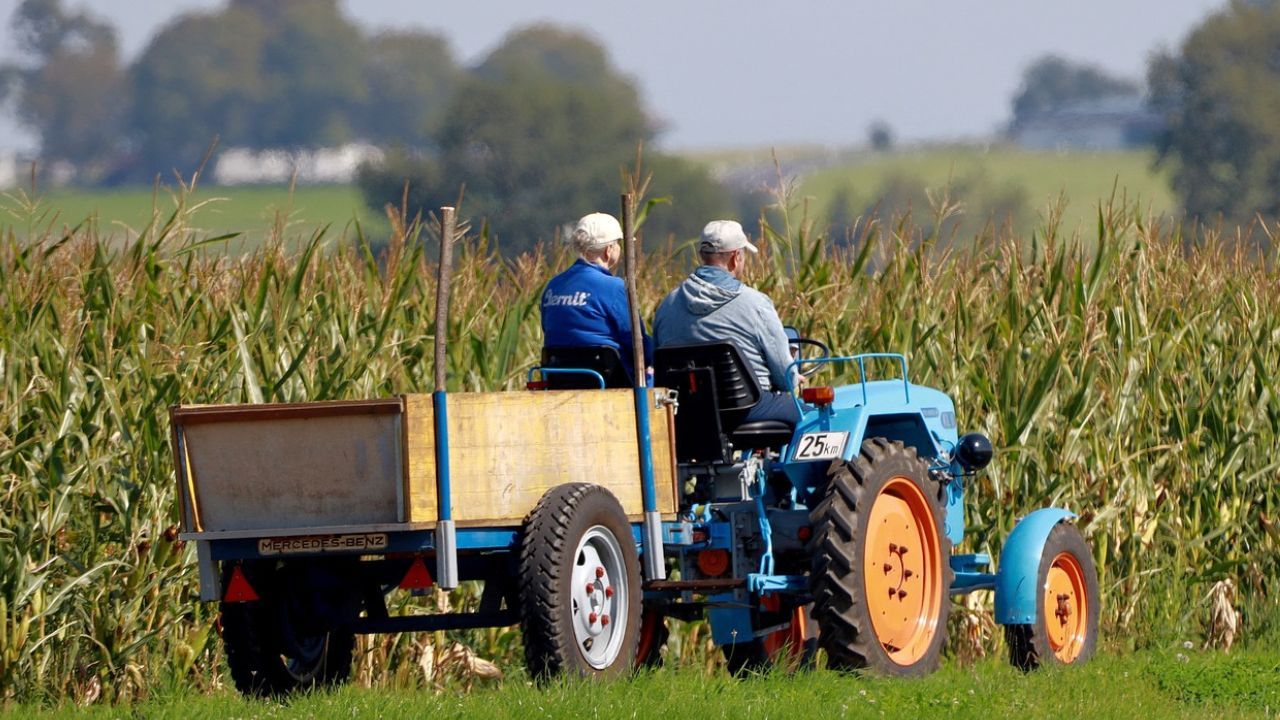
(708, 289)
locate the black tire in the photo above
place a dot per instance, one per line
(756, 656)
(654, 634)
(570, 525)
(841, 523)
(271, 649)
(1030, 646)
(746, 658)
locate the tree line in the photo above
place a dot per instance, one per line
(255, 73)
(531, 136)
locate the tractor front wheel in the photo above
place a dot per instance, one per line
(1065, 631)
(881, 569)
(580, 593)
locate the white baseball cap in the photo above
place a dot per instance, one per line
(595, 231)
(724, 236)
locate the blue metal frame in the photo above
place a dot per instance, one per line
(444, 492)
(861, 360)
(967, 576)
(761, 583)
(766, 529)
(729, 625)
(1016, 580)
(565, 371)
(648, 493)
(406, 541)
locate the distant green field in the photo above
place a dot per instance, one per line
(1148, 685)
(1037, 179)
(252, 210)
(1081, 179)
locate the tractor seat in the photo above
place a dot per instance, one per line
(762, 434)
(717, 392)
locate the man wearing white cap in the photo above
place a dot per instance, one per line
(586, 305)
(713, 305)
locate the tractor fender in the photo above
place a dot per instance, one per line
(1020, 566)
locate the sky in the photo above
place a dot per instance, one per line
(728, 73)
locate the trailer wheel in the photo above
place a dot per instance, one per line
(788, 643)
(881, 569)
(273, 644)
(580, 591)
(1067, 606)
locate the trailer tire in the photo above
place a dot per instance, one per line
(883, 496)
(267, 654)
(1066, 570)
(578, 537)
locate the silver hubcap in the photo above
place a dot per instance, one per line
(599, 597)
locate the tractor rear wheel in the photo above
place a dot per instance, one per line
(881, 570)
(1066, 628)
(580, 594)
(281, 643)
(786, 644)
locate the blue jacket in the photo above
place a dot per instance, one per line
(587, 305)
(711, 306)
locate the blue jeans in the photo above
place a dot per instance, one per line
(775, 406)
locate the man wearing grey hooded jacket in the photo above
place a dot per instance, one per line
(713, 305)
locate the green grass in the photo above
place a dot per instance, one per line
(1163, 684)
(1082, 179)
(254, 211)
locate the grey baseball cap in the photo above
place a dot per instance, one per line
(724, 236)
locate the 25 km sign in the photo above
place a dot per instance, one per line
(821, 446)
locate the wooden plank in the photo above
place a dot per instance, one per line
(507, 449)
(186, 491)
(295, 472)
(420, 458)
(193, 414)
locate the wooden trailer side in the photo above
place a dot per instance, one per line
(506, 449)
(289, 466)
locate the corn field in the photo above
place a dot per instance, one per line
(1129, 372)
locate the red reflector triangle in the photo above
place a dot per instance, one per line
(417, 577)
(239, 589)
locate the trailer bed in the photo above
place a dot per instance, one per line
(369, 466)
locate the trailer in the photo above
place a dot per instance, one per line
(592, 514)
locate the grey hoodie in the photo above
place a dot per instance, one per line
(711, 305)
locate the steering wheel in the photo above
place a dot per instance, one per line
(798, 343)
(823, 352)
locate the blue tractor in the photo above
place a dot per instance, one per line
(839, 532)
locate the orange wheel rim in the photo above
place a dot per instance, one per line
(902, 567)
(1066, 607)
